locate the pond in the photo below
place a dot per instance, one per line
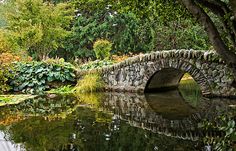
(112, 121)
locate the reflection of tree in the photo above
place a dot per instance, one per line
(81, 131)
(96, 124)
(38, 134)
(51, 108)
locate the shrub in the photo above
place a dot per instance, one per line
(6, 70)
(89, 83)
(36, 77)
(102, 49)
(96, 64)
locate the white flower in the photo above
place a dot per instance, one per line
(110, 15)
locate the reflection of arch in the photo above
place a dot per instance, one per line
(170, 104)
(169, 73)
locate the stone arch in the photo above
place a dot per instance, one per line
(165, 74)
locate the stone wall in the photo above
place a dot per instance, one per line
(134, 74)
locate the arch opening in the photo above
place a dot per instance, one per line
(164, 80)
(171, 79)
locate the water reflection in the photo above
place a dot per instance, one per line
(171, 105)
(110, 121)
(168, 116)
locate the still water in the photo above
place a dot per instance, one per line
(112, 122)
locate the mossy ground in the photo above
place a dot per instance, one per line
(14, 99)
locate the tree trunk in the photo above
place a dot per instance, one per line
(220, 47)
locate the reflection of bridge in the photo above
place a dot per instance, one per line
(164, 69)
(137, 112)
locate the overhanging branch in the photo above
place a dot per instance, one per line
(211, 30)
(220, 9)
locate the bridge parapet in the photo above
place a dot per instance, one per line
(165, 69)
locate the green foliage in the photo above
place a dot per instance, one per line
(120, 29)
(180, 34)
(102, 49)
(35, 77)
(84, 32)
(95, 64)
(89, 83)
(38, 26)
(62, 90)
(5, 45)
(5, 74)
(225, 124)
(6, 70)
(129, 34)
(45, 29)
(4, 99)
(158, 26)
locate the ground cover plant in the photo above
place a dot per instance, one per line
(36, 77)
(14, 99)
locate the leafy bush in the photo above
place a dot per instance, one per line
(35, 77)
(96, 64)
(102, 49)
(89, 83)
(6, 70)
(38, 26)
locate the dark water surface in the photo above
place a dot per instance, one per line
(110, 121)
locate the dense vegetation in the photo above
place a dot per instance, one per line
(35, 77)
(71, 28)
(80, 31)
(38, 39)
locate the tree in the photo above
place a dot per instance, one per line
(207, 12)
(37, 26)
(226, 12)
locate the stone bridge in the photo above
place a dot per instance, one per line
(164, 69)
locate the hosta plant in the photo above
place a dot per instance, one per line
(36, 77)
